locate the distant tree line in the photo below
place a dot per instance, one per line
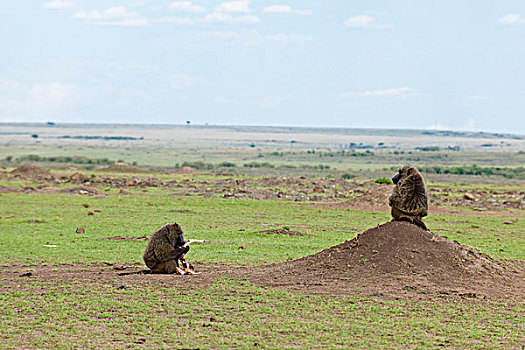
(200, 165)
(101, 137)
(63, 159)
(510, 173)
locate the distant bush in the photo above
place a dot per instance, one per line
(383, 180)
(319, 166)
(510, 173)
(360, 145)
(100, 137)
(348, 176)
(344, 153)
(258, 165)
(227, 165)
(362, 154)
(199, 165)
(428, 148)
(66, 159)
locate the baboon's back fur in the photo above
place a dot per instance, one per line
(409, 197)
(162, 246)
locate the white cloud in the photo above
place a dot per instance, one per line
(19, 98)
(511, 19)
(238, 6)
(361, 21)
(226, 18)
(186, 6)
(52, 95)
(401, 92)
(115, 16)
(290, 38)
(57, 5)
(285, 9)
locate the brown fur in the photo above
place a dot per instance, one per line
(409, 197)
(165, 248)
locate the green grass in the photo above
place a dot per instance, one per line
(30, 221)
(236, 314)
(231, 313)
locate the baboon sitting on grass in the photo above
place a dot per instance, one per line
(165, 248)
(409, 197)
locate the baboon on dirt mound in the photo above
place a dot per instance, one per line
(409, 197)
(165, 248)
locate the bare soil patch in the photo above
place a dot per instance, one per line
(71, 190)
(396, 260)
(186, 170)
(376, 200)
(280, 231)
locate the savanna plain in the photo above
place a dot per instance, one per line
(298, 250)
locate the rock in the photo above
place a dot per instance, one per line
(78, 177)
(91, 213)
(318, 189)
(80, 230)
(508, 222)
(469, 196)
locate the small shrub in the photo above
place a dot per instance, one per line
(383, 180)
(348, 176)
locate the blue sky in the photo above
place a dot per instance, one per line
(388, 64)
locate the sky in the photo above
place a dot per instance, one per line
(455, 65)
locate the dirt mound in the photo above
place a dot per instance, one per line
(403, 248)
(186, 170)
(399, 256)
(30, 170)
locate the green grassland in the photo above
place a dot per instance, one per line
(39, 229)
(105, 313)
(237, 314)
(30, 221)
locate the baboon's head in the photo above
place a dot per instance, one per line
(176, 230)
(404, 172)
